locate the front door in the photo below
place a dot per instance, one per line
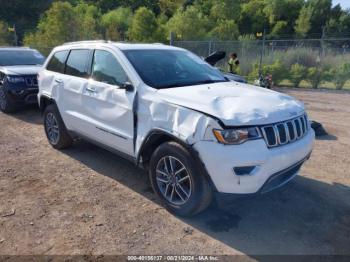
(107, 107)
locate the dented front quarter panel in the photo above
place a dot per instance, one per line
(154, 113)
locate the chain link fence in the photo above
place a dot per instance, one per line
(327, 56)
(310, 53)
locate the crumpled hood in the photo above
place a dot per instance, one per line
(235, 104)
(21, 70)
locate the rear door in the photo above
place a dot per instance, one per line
(51, 78)
(109, 108)
(72, 85)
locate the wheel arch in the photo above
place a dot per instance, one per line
(155, 138)
(44, 101)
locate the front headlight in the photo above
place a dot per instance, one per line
(15, 79)
(236, 136)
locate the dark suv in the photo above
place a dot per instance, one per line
(18, 77)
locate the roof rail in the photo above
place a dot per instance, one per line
(86, 42)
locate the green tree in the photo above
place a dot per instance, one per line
(340, 75)
(144, 26)
(339, 22)
(297, 74)
(87, 18)
(161, 34)
(253, 18)
(313, 17)
(190, 24)
(116, 23)
(107, 5)
(225, 10)
(279, 29)
(24, 14)
(303, 23)
(316, 75)
(64, 23)
(58, 25)
(278, 72)
(225, 30)
(282, 15)
(5, 36)
(321, 12)
(169, 7)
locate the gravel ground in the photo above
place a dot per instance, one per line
(85, 200)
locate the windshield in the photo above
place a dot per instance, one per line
(20, 57)
(172, 68)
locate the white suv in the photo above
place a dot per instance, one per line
(175, 115)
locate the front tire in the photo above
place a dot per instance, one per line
(55, 129)
(178, 181)
(6, 104)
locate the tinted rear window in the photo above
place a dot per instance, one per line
(57, 61)
(77, 63)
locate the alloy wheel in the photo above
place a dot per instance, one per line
(52, 130)
(173, 180)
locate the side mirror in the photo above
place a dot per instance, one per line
(127, 86)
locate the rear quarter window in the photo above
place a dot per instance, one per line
(77, 63)
(57, 62)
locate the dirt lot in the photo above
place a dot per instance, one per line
(86, 200)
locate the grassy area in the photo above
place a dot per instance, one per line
(305, 84)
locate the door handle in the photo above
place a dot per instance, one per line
(91, 89)
(58, 80)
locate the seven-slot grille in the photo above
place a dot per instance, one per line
(285, 132)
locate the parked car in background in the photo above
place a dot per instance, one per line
(19, 67)
(173, 114)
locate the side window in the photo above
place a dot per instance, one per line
(106, 69)
(57, 61)
(77, 63)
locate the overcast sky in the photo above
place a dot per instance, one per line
(344, 3)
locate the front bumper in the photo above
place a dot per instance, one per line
(273, 166)
(27, 97)
(22, 94)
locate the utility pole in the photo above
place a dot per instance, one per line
(322, 42)
(171, 38)
(210, 47)
(15, 35)
(262, 52)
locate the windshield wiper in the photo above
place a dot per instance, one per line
(170, 86)
(207, 81)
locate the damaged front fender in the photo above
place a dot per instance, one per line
(156, 116)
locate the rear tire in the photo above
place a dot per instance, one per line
(178, 181)
(6, 104)
(55, 129)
